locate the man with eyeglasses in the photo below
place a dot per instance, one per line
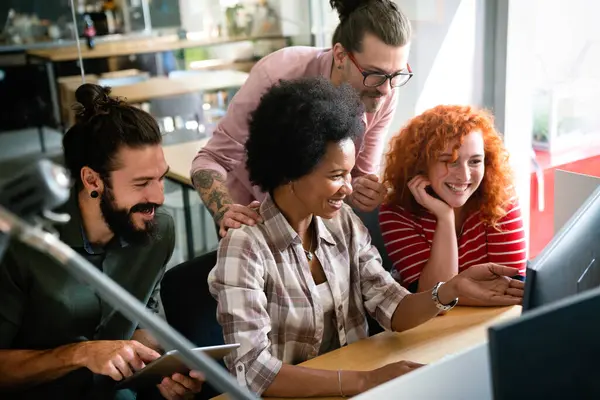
(369, 51)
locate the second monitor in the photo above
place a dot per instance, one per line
(570, 264)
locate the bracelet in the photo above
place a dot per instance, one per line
(340, 383)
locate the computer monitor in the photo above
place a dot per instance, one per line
(550, 352)
(570, 263)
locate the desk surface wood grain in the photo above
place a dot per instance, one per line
(461, 328)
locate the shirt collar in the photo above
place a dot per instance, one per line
(281, 232)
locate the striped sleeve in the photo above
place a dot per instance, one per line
(406, 246)
(507, 245)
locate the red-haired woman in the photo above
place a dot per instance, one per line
(452, 202)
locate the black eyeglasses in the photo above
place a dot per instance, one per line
(374, 79)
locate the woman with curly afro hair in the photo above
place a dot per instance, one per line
(451, 203)
(302, 282)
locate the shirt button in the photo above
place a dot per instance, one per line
(240, 368)
(340, 308)
(340, 327)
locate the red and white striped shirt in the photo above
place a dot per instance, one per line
(408, 239)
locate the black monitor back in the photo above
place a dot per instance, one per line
(549, 353)
(570, 263)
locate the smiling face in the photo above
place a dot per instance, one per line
(322, 192)
(134, 191)
(377, 57)
(455, 181)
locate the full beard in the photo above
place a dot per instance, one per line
(120, 221)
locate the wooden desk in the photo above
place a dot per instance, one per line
(161, 86)
(179, 157)
(461, 328)
(153, 44)
(158, 87)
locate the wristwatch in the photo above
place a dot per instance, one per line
(436, 299)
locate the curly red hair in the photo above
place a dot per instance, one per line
(425, 137)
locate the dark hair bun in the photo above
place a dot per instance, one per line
(92, 100)
(345, 7)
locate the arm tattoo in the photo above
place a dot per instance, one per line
(214, 193)
(204, 179)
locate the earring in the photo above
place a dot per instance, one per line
(94, 194)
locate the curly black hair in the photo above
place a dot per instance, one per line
(292, 126)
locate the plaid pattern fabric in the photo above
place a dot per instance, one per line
(268, 300)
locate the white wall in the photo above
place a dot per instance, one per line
(443, 57)
(513, 97)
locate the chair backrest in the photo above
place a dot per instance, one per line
(371, 221)
(189, 306)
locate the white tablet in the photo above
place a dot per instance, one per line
(169, 364)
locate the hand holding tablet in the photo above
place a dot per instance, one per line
(170, 364)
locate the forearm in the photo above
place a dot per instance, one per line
(213, 191)
(31, 367)
(417, 308)
(443, 260)
(296, 381)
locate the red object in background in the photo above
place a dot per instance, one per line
(541, 224)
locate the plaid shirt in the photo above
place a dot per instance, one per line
(268, 300)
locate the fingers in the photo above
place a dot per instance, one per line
(417, 187)
(238, 215)
(197, 375)
(113, 372)
(123, 366)
(370, 182)
(175, 389)
(189, 383)
(369, 195)
(515, 292)
(249, 212)
(363, 202)
(254, 205)
(236, 219)
(517, 284)
(502, 270)
(145, 353)
(371, 177)
(165, 391)
(356, 203)
(506, 300)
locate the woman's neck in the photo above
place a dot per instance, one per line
(293, 210)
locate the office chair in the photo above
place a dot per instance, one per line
(190, 308)
(371, 222)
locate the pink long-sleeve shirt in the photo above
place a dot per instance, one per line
(225, 152)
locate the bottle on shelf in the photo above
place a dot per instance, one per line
(89, 31)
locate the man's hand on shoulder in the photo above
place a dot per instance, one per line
(233, 216)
